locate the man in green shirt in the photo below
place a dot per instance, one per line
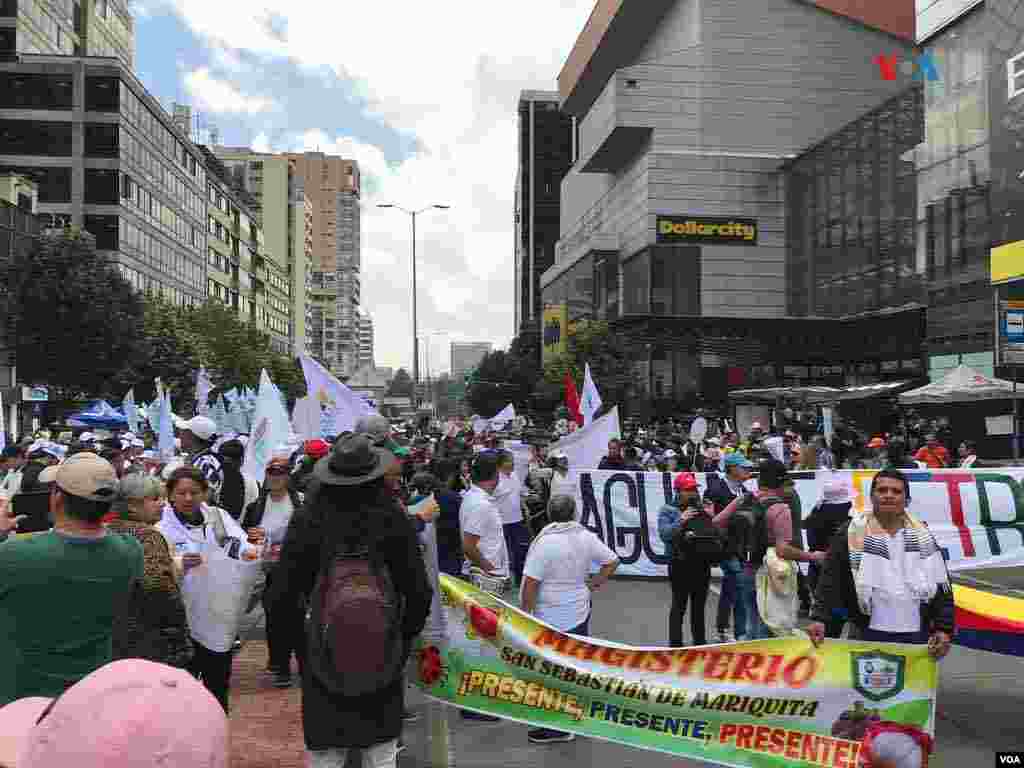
(60, 590)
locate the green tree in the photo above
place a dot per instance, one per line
(401, 385)
(76, 322)
(606, 351)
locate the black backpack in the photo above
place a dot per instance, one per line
(698, 541)
(748, 530)
(354, 626)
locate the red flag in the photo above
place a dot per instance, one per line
(572, 400)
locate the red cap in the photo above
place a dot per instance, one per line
(686, 481)
(315, 449)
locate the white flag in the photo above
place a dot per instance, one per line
(590, 398)
(203, 388)
(507, 414)
(131, 411)
(348, 407)
(587, 446)
(3, 425)
(270, 428)
(165, 444)
(306, 418)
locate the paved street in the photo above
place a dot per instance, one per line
(981, 697)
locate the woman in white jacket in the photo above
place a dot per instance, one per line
(197, 532)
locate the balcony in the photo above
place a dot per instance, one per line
(614, 129)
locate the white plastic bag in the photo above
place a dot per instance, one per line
(216, 595)
(777, 594)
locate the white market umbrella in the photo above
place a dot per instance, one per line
(961, 385)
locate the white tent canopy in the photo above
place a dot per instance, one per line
(961, 385)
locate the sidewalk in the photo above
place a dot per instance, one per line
(981, 696)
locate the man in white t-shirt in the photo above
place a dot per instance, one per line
(483, 534)
(557, 581)
(508, 497)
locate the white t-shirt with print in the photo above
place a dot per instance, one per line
(478, 516)
(561, 563)
(276, 518)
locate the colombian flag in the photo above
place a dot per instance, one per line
(989, 622)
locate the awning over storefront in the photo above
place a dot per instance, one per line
(961, 385)
(818, 395)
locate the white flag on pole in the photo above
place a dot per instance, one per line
(204, 386)
(507, 414)
(306, 418)
(590, 399)
(165, 443)
(348, 407)
(270, 428)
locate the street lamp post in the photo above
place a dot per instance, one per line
(415, 336)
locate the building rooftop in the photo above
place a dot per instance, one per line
(616, 31)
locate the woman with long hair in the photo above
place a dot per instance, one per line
(352, 510)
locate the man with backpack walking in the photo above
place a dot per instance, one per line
(761, 520)
(693, 546)
(354, 552)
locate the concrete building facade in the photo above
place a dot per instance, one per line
(333, 187)
(282, 210)
(546, 143)
(675, 214)
(106, 156)
(239, 272)
(68, 28)
(366, 358)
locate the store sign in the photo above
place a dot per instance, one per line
(554, 332)
(706, 229)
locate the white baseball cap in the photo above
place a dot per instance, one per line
(201, 426)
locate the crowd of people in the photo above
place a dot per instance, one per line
(114, 573)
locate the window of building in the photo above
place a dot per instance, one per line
(35, 91)
(35, 137)
(101, 186)
(105, 229)
(101, 140)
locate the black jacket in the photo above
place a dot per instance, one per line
(253, 515)
(836, 595)
(330, 721)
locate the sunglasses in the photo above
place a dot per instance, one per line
(277, 470)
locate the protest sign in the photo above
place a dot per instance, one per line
(766, 703)
(977, 516)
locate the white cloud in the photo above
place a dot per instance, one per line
(448, 75)
(220, 96)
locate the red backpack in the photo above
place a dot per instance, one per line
(354, 626)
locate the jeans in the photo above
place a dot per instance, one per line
(517, 539)
(746, 593)
(286, 633)
(689, 585)
(213, 668)
(727, 602)
(383, 755)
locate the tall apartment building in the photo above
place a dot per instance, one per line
(280, 207)
(365, 340)
(106, 156)
(546, 142)
(239, 273)
(68, 28)
(333, 186)
(466, 355)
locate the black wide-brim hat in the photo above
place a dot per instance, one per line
(353, 460)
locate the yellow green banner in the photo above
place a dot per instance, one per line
(778, 702)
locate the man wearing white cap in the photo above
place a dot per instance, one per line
(60, 590)
(197, 437)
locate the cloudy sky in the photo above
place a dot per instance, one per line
(423, 95)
